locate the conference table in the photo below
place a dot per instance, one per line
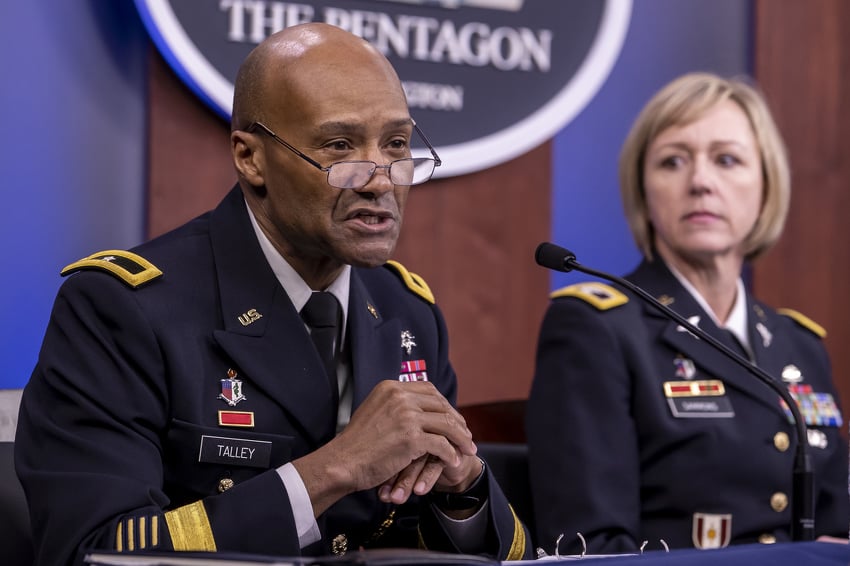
(782, 554)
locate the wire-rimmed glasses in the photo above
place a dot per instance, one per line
(356, 174)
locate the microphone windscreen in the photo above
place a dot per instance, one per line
(554, 257)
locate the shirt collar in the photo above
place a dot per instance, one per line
(294, 285)
(737, 321)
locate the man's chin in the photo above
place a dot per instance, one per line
(370, 256)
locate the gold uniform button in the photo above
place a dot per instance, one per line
(780, 440)
(339, 545)
(224, 484)
(779, 501)
(767, 539)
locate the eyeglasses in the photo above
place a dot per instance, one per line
(356, 174)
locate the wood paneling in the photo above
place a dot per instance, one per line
(802, 62)
(190, 168)
(472, 237)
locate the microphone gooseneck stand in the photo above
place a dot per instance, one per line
(802, 499)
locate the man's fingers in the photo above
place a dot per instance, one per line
(428, 476)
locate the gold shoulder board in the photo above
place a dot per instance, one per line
(132, 269)
(804, 321)
(414, 282)
(600, 295)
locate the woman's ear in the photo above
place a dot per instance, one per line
(248, 157)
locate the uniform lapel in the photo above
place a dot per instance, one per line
(263, 333)
(767, 343)
(375, 341)
(655, 278)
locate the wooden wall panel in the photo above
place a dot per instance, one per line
(802, 62)
(190, 168)
(472, 237)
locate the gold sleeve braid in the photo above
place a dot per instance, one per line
(517, 550)
(190, 528)
(137, 533)
(518, 544)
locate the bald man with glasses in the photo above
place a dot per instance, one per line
(263, 379)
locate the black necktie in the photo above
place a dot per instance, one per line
(323, 315)
(734, 343)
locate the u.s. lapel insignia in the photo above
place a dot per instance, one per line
(249, 317)
(413, 370)
(766, 335)
(407, 341)
(791, 374)
(685, 368)
(372, 310)
(231, 389)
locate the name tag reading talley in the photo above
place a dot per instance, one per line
(235, 451)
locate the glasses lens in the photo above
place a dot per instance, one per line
(350, 174)
(355, 174)
(411, 171)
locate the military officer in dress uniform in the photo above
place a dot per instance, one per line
(262, 379)
(639, 432)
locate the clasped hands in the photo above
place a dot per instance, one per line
(404, 439)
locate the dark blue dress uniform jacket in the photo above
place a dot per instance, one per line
(128, 383)
(609, 459)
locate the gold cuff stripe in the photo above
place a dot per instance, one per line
(190, 528)
(143, 536)
(517, 550)
(155, 531)
(131, 539)
(119, 537)
(413, 281)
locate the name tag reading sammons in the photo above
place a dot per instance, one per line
(235, 451)
(698, 399)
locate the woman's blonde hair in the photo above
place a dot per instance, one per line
(681, 102)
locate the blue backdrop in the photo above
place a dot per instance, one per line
(73, 160)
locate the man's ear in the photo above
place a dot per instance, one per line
(248, 157)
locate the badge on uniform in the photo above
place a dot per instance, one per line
(407, 341)
(413, 370)
(711, 531)
(685, 368)
(698, 399)
(817, 409)
(231, 389)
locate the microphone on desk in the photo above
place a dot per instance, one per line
(802, 499)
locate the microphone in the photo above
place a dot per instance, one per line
(802, 498)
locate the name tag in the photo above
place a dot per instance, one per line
(698, 399)
(235, 451)
(701, 407)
